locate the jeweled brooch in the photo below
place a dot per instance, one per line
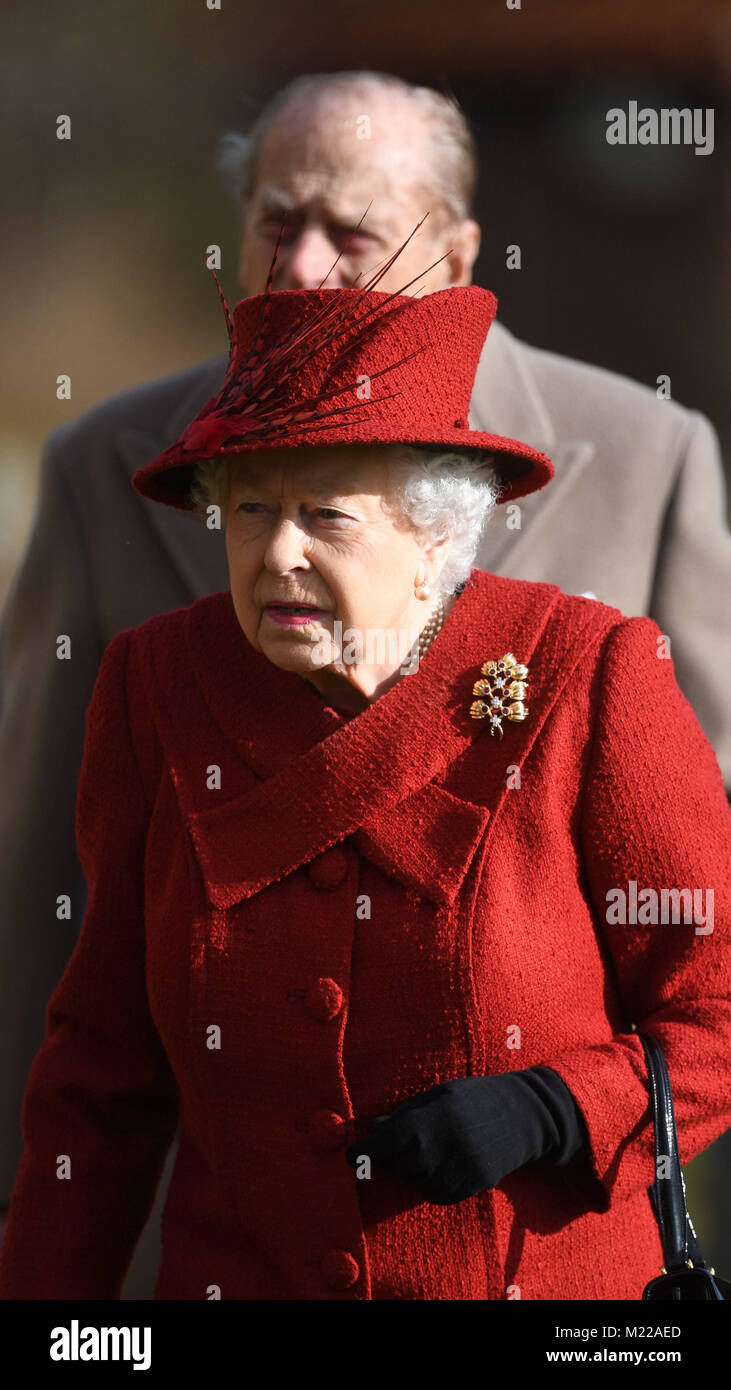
(503, 691)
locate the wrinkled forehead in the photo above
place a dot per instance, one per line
(340, 156)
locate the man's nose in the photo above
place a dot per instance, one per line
(308, 263)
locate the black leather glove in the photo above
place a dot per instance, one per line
(465, 1135)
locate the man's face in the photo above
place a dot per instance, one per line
(322, 164)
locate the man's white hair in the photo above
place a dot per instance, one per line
(452, 171)
(434, 493)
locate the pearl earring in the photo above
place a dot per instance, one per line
(422, 590)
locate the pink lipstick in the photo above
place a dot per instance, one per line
(294, 614)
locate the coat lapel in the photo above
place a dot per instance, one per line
(542, 516)
(196, 553)
(414, 779)
(507, 400)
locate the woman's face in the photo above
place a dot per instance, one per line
(307, 526)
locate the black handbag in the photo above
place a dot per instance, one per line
(685, 1273)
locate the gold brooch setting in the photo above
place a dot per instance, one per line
(503, 691)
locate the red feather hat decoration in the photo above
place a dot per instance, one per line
(346, 366)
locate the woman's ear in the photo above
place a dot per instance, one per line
(433, 558)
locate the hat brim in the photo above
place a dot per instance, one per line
(521, 469)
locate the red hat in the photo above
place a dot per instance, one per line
(346, 366)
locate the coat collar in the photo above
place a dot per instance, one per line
(507, 400)
(506, 394)
(396, 777)
(426, 712)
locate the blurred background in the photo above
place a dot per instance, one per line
(624, 249)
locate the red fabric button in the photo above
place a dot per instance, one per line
(326, 1131)
(339, 1269)
(324, 999)
(329, 869)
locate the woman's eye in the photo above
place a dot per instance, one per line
(327, 513)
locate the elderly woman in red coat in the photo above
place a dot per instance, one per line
(376, 925)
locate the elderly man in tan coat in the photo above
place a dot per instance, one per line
(634, 517)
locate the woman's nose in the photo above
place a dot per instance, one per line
(309, 261)
(285, 548)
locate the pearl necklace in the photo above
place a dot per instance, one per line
(432, 626)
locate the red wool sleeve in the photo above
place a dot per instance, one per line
(100, 1109)
(655, 815)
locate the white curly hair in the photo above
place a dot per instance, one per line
(435, 493)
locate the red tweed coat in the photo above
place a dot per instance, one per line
(297, 920)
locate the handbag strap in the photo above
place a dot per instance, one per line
(667, 1194)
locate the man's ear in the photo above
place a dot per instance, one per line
(465, 241)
